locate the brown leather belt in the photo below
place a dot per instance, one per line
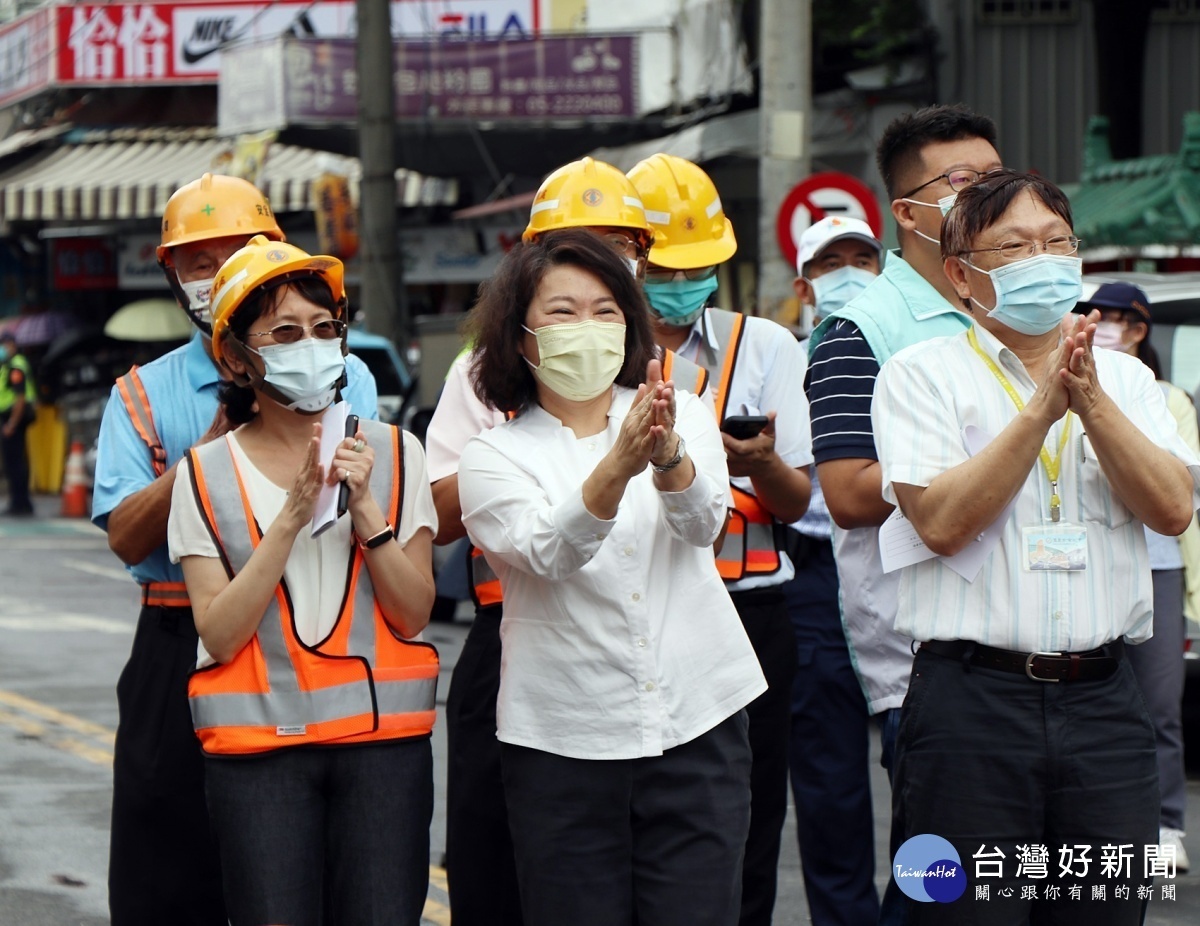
(1091, 666)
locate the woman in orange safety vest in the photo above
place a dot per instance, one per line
(311, 699)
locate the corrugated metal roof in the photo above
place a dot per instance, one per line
(133, 179)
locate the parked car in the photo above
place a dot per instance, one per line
(396, 384)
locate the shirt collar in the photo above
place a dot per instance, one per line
(700, 333)
(201, 371)
(1002, 356)
(923, 300)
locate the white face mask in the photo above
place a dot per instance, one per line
(1111, 335)
(580, 360)
(944, 203)
(199, 293)
(307, 371)
(632, 264)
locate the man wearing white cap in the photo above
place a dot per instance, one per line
(837, 258)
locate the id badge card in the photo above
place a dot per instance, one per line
(1054, 547)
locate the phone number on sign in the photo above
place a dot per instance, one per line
(606, 104)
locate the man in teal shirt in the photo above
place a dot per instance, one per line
(925, 158)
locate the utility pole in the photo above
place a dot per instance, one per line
(785, 105)
(382, 279)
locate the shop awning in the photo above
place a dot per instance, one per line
(107, 180)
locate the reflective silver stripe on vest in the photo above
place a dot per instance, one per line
(217, 468)
(282, 708)
(406, 697)
(362, 628)
(722, 323)
(733, 550)
(481, 570)
(323, 705)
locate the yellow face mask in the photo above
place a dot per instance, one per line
(579, 360)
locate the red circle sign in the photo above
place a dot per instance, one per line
(820, 195)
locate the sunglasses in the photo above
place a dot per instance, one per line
(325, 330)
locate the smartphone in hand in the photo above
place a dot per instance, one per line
(743, 427)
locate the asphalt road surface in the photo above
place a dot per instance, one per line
(67, 611)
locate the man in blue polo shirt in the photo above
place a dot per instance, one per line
(163, 862)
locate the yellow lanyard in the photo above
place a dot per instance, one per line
(1050, 465)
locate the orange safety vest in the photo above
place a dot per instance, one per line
(362, 683)
(754, 539)
(137, 403)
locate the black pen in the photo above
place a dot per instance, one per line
(344, 488)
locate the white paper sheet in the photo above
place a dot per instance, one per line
(333, 432)
(900, 545)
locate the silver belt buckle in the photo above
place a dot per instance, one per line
(1029, 667)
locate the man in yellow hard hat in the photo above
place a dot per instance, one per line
(163, 863)
(757, 378)
(480, 869)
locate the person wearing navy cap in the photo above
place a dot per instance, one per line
(1124, 326)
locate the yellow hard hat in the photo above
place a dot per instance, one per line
(586, 194)
(215, 206)
(683, 208)
(259, 262)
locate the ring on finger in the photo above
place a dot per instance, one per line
(359, 445)
(345, 475)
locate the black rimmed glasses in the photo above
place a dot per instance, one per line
(959, 179)
(1059, 245)
(325, 330)
(666, 275)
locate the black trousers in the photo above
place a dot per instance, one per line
(163, 865)
(764, 614)
(830, 749)
(480, 871)
(654, 841)
(16, 468)
(993, 761)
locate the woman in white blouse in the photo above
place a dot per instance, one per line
(625, 667)
(312, 702)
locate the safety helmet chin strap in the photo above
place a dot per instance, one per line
(184, 300)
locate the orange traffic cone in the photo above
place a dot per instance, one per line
(75, 487)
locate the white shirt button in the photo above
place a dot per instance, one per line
(591, 445)
(641, 641)
(601, 536)
(636, 596)
(649, 686)
(628, 551)
(1058, 615)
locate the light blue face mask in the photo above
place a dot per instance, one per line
(679, 302)
(1034, 295)
(834, 289)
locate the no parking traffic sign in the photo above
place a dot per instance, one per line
(820, 195)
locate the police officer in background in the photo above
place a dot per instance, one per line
(163, 861)
(17, 396)
(756, 370)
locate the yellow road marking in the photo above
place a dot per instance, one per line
(21, 717)
(54, 715)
